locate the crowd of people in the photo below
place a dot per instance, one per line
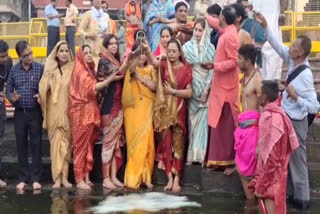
(183, 92)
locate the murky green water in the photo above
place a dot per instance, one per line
(65, 202)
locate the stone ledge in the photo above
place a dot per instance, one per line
(193, 176)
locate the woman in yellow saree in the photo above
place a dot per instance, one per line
(54, 100)
(137, 102)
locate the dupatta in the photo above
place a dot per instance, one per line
(107, 63)
(202, 52)
(277, 119)
(83, 106)
(49, 81)
(167, 107)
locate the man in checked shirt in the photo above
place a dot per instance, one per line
(22, 92)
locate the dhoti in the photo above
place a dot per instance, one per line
(246, 140)
(221, 145)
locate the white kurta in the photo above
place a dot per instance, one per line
(271, 61)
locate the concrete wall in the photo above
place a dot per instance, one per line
(20, 7)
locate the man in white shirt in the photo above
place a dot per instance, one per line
(298, 100)
(53, 23)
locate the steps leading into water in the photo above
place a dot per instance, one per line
(194, 176)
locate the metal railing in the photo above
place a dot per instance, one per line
(35, 32)
(298, 23)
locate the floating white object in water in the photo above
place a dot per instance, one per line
(151, 202)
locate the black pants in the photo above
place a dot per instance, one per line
(70, 35)
(2, 125)
(53, 38)
(28, 123)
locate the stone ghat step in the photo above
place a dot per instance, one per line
(10, 155)
(314, 131)
(313, 150)
(8, 148)
(193, 176)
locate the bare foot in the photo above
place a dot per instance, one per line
(82, 185)
(189, 163)
(107, 183)
(2, 183)
(148, 185)
(89, 183)
(57, 184)
(228, 171)
(212, 168)
(169, 185)
(66, 183)
(117, 182)
(21, 186)
(36, 186)
(176, 184)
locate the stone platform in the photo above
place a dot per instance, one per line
(194, 176)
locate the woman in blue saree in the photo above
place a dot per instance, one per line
(199, 53)
(160, 13)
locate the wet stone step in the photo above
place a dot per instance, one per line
(9, 154)
(314, 131)
(313, 150)
(8, 146)
(193, 176)
(314, 175)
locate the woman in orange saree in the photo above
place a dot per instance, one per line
(111, 111)
(133, 17)
(173, 88)
(137, 102)
(84, 114)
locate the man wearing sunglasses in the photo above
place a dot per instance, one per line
(22, 92)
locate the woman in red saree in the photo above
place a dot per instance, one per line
(84, 114)
(166, 34)
(173, 88)
(111, 111)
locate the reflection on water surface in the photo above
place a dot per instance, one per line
(80, 202)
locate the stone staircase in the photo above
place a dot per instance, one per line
(194, 176)
(312, 5)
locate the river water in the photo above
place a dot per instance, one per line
(81, 202)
